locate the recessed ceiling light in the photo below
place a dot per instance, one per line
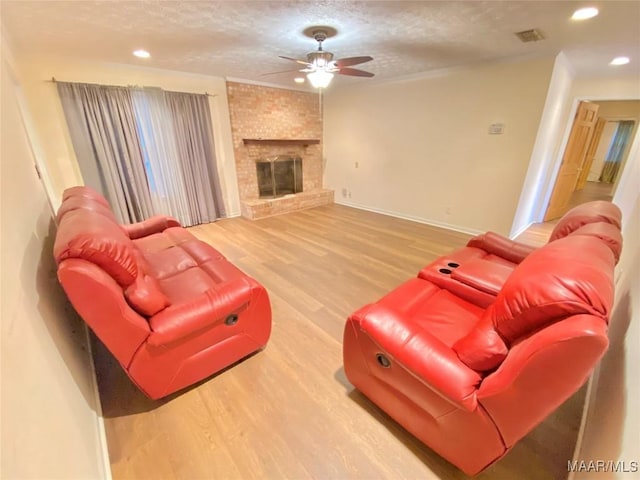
(299, 79)
(141, 53)
(584, 13)
(619, 61)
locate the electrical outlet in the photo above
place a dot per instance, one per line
(447, 211)
(349, 193)
(357, 164)
(344, 193)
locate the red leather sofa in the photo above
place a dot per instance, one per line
(170, 308)
(470, 381)
(478, 271)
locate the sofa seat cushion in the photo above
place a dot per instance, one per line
(169, 262)
(197, 280)
(184, 266)
(164, 240)
(186, 285)
(442, 314)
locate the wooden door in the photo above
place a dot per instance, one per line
(591, 153)
(574, 155)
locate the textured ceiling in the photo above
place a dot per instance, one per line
(242, 39)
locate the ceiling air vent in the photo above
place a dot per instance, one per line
(532, 35)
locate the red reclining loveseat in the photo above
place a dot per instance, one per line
(170, 308)
(470, 381)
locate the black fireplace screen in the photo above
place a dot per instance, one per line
(279, 176)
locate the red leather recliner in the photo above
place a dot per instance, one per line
(169, 307)
(478, 271)
(470, 381)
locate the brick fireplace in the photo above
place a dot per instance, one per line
(269, 123)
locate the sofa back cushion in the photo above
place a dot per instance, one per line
(94, 237)
(86, 203)
(570, 276)
(608, 234)
(590, 212)
(85, 192)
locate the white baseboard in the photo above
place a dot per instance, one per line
(520, 230)
(426, 221)
(102, 433)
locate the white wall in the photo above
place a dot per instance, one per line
(50, 427)
(542, 166)
(565, 94)
(420, 148)
(50, 127)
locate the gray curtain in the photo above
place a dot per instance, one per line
(148, 151)
(194, 139)
(616, 152)
(103, 132)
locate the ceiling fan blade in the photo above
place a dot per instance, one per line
(301, 62)
(347, 62)
(354, 72)
(281, 71)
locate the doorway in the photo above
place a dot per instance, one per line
(595, 155)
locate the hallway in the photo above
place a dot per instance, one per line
(591, 191)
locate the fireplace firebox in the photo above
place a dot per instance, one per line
(279, 176)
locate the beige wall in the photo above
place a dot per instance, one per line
(49, 425)
(421, 148)
(54, 145)
(619, 109)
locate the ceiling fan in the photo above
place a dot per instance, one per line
(320, 65)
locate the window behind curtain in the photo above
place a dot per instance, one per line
(169, 139)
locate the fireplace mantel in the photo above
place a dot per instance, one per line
(281, 141)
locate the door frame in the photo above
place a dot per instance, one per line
(536, 205)
(565, 140)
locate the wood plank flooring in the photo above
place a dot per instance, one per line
(288, 412)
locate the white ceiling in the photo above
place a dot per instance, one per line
(242, 39)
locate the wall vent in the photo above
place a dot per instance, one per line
(533, 35)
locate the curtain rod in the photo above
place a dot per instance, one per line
(53, 80)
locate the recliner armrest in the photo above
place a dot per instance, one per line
(205, 311)
(426, 357)
(501, 246)
(155, 224)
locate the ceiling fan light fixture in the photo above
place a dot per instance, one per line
(584, 13)
(140, 53)
(619, 61)
(320, 78)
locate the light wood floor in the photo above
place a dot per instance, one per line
(288, 412)
(591, 191)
